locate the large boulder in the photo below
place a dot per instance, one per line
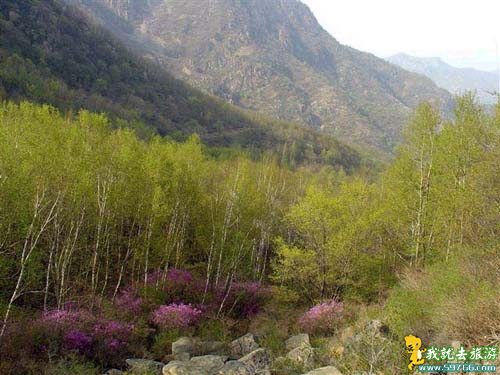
(258, 361)
(202, 365)
(183, 368)
(139, 365)
(297, 340)
(329, 370)
(210, 363)
(183, 348)
(302, 356)
(243, 345)
(235, 368)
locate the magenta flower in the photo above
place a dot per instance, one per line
(61, 317)
(175, 315)
(77, 340)
(323, 317)
(129, 302)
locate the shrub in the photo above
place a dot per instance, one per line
(176, 316)
(128, 303)
(77, 340)
(111, 341)
(243, 299)
(322, 318)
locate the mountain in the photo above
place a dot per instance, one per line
(455, 80)
(51, 53)
(274, 57)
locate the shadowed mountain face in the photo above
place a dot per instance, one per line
(51, 53)
(455, 80)
(273, 56)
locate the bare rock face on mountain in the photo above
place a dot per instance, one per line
(274, 57)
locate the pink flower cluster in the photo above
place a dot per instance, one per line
(176, 316)
(61, 317)
(94, 336)
(77, 340)
(323, 317)
(179, 276)
(111, 335)
(128, 301)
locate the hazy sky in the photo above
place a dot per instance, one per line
(462, 32)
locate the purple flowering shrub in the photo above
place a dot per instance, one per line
(128, 303)
(79, 341)
(175, 316)
(111, 340)
(322, 318)
(59, 332)
(243, 299)
(177, 286)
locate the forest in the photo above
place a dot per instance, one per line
(113, 245)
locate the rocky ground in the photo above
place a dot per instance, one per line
(243, 356)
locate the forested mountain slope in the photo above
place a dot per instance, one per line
(274, 57)
(51, 53)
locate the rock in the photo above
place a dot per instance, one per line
(302, 356)
(144, 365)
(183, 368)
(296, 341)
(329, 370)
(235, 368)
(203, 365)
(258, 361)
(243, 345)
(210, 363)
(182, 356)
(182, 346)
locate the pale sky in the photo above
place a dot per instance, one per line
(461, 32)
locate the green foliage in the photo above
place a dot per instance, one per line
(86, 68)
(70, 367)
(453, 300)
(212, 330)
(101, 209)
(163, 343)
(336, 251)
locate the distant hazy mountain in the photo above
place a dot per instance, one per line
(274, 57)
(453, 79)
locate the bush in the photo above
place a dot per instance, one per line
(243, 299)
(454, 300)
(128, 303)
(67, 332)
(176, 316)
(65, 367)
(322, 318)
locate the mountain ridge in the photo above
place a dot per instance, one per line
(273, 56)
(51, 53)
(454, 79)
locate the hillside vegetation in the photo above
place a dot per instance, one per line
(50, 53)
(273, 56)
(104, 236)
